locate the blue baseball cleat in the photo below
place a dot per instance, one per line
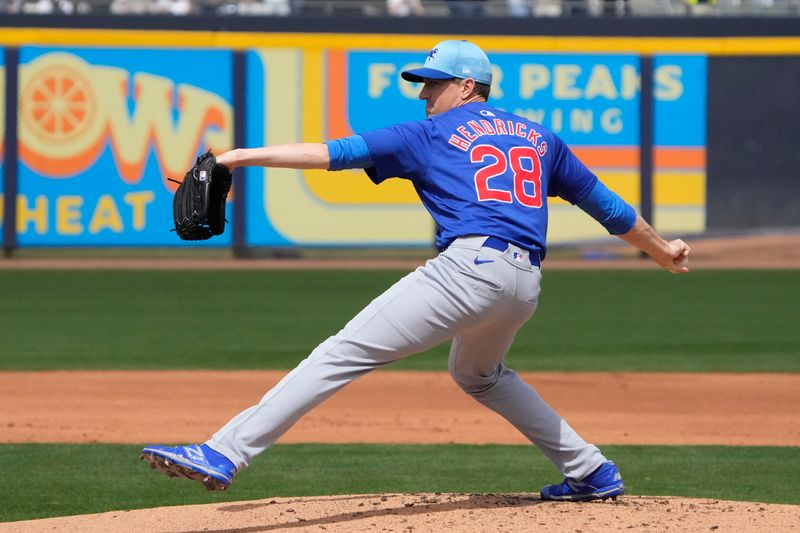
(605, 482)
(198, 462)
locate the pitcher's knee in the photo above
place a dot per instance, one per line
(473, 382)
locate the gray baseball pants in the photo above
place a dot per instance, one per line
(475, 295)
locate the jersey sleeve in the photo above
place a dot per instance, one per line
(348, 152)
(399, 151)
(609, 209)
(571, 180)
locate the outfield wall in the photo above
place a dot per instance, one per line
(105, 116)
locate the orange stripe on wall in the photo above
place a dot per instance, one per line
(608, 156)
(628, 157)
(673, 157)
(338, 122)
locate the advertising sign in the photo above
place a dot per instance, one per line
(100, 133)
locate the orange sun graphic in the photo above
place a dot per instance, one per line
(57, 104)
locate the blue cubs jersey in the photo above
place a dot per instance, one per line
(481, 171)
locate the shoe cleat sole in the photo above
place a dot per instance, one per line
(588, 498)
(611, 494)
(171, 469)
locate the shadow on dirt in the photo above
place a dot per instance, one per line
(415, 505)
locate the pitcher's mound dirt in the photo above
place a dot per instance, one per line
(435, 513)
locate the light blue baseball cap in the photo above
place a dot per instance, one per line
(453, 59)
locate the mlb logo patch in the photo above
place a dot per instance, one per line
(518, 257)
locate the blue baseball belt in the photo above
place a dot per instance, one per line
(496, 243)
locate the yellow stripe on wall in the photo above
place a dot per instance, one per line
(247, 40)
(673, 188)
(679, 188)
(669, 188)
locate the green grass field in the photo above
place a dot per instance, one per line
(589, 321)
(61, 480)
(592, 321)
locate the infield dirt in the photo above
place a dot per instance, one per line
(401, 407)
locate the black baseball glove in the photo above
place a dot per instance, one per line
(199, 203)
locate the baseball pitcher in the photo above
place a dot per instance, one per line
(485, 176)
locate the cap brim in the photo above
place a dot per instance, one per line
(418, 75)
